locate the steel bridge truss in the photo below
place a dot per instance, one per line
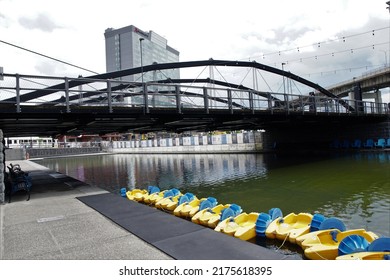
(103, 103)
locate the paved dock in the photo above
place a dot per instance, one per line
(64, 219)
(53, 224)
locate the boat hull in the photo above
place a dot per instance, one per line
(290, 227)
(325, 244)
(243, 226)
(168, 203)
(136, 194)
(365, 256)
(188, 209)
(209, 217)
(153, 198)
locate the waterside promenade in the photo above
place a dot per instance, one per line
(53, 224)
(56, 223)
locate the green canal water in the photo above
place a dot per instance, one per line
(353, 187)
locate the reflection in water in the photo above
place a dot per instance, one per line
(353, 187)
(166, 171)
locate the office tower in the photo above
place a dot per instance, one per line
(123, 51)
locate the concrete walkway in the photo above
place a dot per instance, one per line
(53, 224)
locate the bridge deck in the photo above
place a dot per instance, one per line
(68, 108)
(84, 120)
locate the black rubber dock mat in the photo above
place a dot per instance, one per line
(179, 238)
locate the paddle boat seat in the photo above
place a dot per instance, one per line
(241, 226)
(291, 226)
(357, 143)
(135, 194)
(212, 215)
(369, 143)
(379, 249)
(381, 143)
(170, 203)
(188, 207)
(231, 211)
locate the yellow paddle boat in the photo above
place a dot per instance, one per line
(264, 220)
(203, 216)
(220, 213)
(241, 226)
(170, 203)
(357, 248)
(189, 209)
(325, 244)
(329, 236)
(291, 226)
(326, 225)
(157, 200)
(136, 194)
(365, 256)
(150, 191)
(151, 199)
(154, 197)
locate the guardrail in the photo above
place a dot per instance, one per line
(66, 95)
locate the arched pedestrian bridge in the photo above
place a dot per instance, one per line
(45, 105)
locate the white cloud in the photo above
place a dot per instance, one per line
(222, 29)
(40, 21)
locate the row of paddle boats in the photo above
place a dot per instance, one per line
(321, 238)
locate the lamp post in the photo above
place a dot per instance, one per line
(284, 84)
(142, 65)
(388, 7)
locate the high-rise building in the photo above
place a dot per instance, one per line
(123, 51)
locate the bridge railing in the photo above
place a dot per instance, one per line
(236, 100)
(41, 92)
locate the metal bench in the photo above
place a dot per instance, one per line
(18, 180)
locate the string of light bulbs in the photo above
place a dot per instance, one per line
(319, 44)
(332, 54)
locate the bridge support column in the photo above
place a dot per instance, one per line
(2, 168)
(377, 96)
(356, 98)
(351, 98)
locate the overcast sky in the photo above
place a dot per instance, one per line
(324, 41)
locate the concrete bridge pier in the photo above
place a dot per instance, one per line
(377, 96)
(356, 97)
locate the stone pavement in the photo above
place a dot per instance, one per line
(53, 224)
